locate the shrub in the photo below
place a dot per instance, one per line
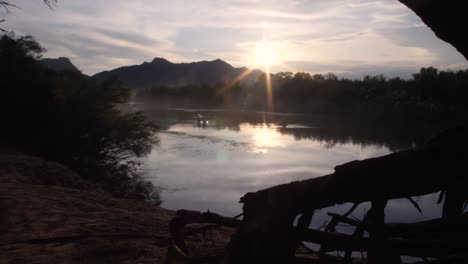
(73, 119)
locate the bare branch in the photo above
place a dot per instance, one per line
(1, 29)
(50, 3)
(355, 205)
(415, 204)
(6, 6)
(441, 196)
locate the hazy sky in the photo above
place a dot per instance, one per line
(350, 37)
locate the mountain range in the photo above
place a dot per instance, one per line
(59, 64)
(161, 72)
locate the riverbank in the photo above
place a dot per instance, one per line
(49, 215)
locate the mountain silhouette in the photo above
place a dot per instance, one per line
(161, 72)
(59, 64)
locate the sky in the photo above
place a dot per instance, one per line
(348, 37)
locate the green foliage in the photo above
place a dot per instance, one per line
(73, 119)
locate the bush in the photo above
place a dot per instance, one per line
(73, 119)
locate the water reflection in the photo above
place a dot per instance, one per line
(211, 167)
(265, 136)
(328, 130)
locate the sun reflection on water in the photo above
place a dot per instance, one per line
(265, 136)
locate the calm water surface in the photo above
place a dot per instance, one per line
(210, 167)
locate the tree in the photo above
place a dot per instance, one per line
(6, 5)
(73, 119)
(318, 77)
(285, 75)
(331, 77)
(302, 76)
(426, 74)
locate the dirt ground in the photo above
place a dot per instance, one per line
(48, 215)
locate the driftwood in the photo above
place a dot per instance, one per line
(268, 233)
(177, 249)
(454, 228)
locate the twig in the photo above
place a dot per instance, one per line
(415, 204)
(49, 3)
(1, 29)
(5, 6)
(441, 196)
(355, 205)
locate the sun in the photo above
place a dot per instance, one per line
(266, 55)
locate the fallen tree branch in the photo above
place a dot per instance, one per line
(347, 220)
(442, 228)
(269, 214)
(351, 210)
(415, 248)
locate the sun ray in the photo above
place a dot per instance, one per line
(229, 85)
(269, 90)
(265, 56)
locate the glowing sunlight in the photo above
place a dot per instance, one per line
(266, 55)
(265, 136)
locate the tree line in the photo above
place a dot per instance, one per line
(431, 95)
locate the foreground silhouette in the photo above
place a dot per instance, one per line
(269, 214)
(268, 232)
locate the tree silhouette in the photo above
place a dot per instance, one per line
(73, 119)
(6, 5)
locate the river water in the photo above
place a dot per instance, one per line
(210, 165)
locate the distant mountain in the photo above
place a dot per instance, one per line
(60, 64)
(161, 72)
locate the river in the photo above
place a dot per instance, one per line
(210, 165)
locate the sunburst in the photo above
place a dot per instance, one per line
(266, 56)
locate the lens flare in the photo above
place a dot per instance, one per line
(266, 56)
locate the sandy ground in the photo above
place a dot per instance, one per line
(48, 215)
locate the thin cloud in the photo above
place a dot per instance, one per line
(99, 35)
